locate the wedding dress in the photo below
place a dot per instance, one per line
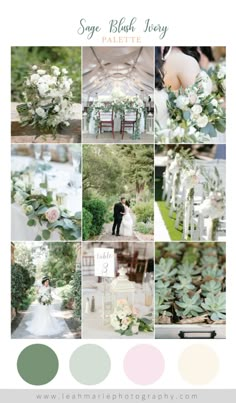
(43, 323)
(126, 228)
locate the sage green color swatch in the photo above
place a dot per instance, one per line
(37, 364)
(90, 364)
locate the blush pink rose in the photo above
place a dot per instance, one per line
(52, 214)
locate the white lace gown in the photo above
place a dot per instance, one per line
(43, 322)
(126, 228)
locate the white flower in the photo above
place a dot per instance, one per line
(124, 327)
(41, 72)
(34, 78)
(214, 102)
(19, 198)
(192, 97)
(56, 108)
(43, 89)
(182, 102)
(40, 112)
(196, 110)
(202, 121)
(55, 70)
(179, 131)
(64, 71)
(34, 67)
(224, 84)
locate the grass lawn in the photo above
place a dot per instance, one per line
(175, 234)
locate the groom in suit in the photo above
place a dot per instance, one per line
(119, 211)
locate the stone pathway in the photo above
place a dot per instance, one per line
(21, 331)
(107, 235)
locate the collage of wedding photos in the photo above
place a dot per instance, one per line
(118, 192)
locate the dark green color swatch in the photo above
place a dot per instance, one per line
(37, 364)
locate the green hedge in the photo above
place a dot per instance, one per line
(87, 224)
(144, 211)
(76, 294)
(97, 208)
(21, 283)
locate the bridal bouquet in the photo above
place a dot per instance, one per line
(218, 77)
(41, 210)
(45, 297)
(195, 116)
(125, 320)
(47, 99)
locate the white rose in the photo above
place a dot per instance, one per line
(196, 110)
(40, 112)
(182, 102)
(34, 78)
(202, 121)
(55, 70)
(214, 103)
(192, 97)
(220, 74)
(34, 67)
(41, 72)
(56, 108)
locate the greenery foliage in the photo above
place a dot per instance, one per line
(21, 282)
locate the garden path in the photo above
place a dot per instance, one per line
(22, 333)
(107, 234)
(161, 232)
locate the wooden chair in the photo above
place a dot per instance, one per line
(106, 120)
(128, 121)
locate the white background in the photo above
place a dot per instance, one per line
(50, 22)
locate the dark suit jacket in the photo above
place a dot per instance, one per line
(118, 209)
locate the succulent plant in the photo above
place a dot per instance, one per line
(212, 287)
(175, 247)
(161, 307)
(164, 271)
(209, 261)
(184, 284)
(190, 307)
(163, 289)
(215, 305)
(221, 246)
(188, 269)
(213, 272)
(190, 282)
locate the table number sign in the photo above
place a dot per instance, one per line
(104, 262)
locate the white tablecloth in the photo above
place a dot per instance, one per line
(58, 179)
(117, 122)
(93, 326)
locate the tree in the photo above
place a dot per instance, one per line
(61, 263)
(102, 171)
(24, 256)
(21, 282)
(138, 167)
